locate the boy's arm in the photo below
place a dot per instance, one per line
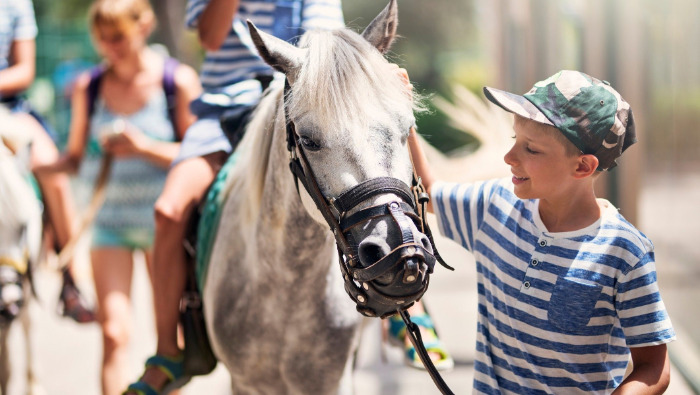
(215, 23)
(420, 163)
(651, 371)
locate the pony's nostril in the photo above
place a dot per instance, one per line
(370, 252)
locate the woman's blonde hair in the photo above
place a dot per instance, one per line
(124, 15)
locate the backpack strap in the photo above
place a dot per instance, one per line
(169, 68)
(94, 88)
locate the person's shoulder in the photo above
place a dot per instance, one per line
(186, 76)
(82, 81)
(623, 231)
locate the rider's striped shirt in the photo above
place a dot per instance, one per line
(237, 59)
(17, 22)
(558, 312)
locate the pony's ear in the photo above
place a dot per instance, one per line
(279, 54)
(382, 31)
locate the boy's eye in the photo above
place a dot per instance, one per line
(531, 151)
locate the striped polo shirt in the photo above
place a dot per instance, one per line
(558, 312)
(237, 59)
(17, 22)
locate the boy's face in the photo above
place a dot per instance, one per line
(539, 162)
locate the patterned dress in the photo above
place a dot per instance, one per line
(126, 217)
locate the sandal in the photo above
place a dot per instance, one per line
(172, 367)
(397, 337)
(71, 302)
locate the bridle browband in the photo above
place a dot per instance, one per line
(368, 286)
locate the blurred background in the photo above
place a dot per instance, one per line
(648, 50)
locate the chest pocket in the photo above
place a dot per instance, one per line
(572, 303)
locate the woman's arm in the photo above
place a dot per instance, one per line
(187, 88)
(70, 161)
(20, 75)
(651, 372)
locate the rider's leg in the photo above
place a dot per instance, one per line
(56, 186)
(112, 269)
(57, 196)
(184, 189)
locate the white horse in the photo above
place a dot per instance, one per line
(20, 245)
(276, 312)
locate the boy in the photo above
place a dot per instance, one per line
(567, 287)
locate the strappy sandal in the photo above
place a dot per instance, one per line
(71, 303)
(172, 367)
(397, 337)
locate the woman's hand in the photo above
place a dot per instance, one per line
(124, 140)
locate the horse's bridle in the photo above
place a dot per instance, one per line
(372, 297)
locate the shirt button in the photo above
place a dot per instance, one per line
(526, 284)
(534, 262)
(543, 243)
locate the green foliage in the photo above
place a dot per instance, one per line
(436, 44)
(62, 12)
(434, 127)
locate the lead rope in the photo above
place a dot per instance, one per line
(98, 197)
(416, 339)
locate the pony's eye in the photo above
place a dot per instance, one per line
(309, 144)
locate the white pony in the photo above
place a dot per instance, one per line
(20, 243)
(277, 314)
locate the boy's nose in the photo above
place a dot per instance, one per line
(509, 157)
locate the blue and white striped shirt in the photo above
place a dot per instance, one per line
(558, 312)
(17, 22)
(237, 59)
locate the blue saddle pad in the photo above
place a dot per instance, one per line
(209, 221)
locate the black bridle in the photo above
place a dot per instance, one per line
(411, 262)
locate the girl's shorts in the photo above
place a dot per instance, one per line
(133, 239)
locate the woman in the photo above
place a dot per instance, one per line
(122, 109)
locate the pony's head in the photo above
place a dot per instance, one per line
(348, 115)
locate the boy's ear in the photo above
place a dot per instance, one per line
(586, 166)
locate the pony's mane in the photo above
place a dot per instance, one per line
(254, 151)
(346, 82)
(15, 192)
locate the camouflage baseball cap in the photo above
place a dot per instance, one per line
(589, 112)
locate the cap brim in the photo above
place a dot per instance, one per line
(516, 104)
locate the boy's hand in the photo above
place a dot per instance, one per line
(404, 76)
